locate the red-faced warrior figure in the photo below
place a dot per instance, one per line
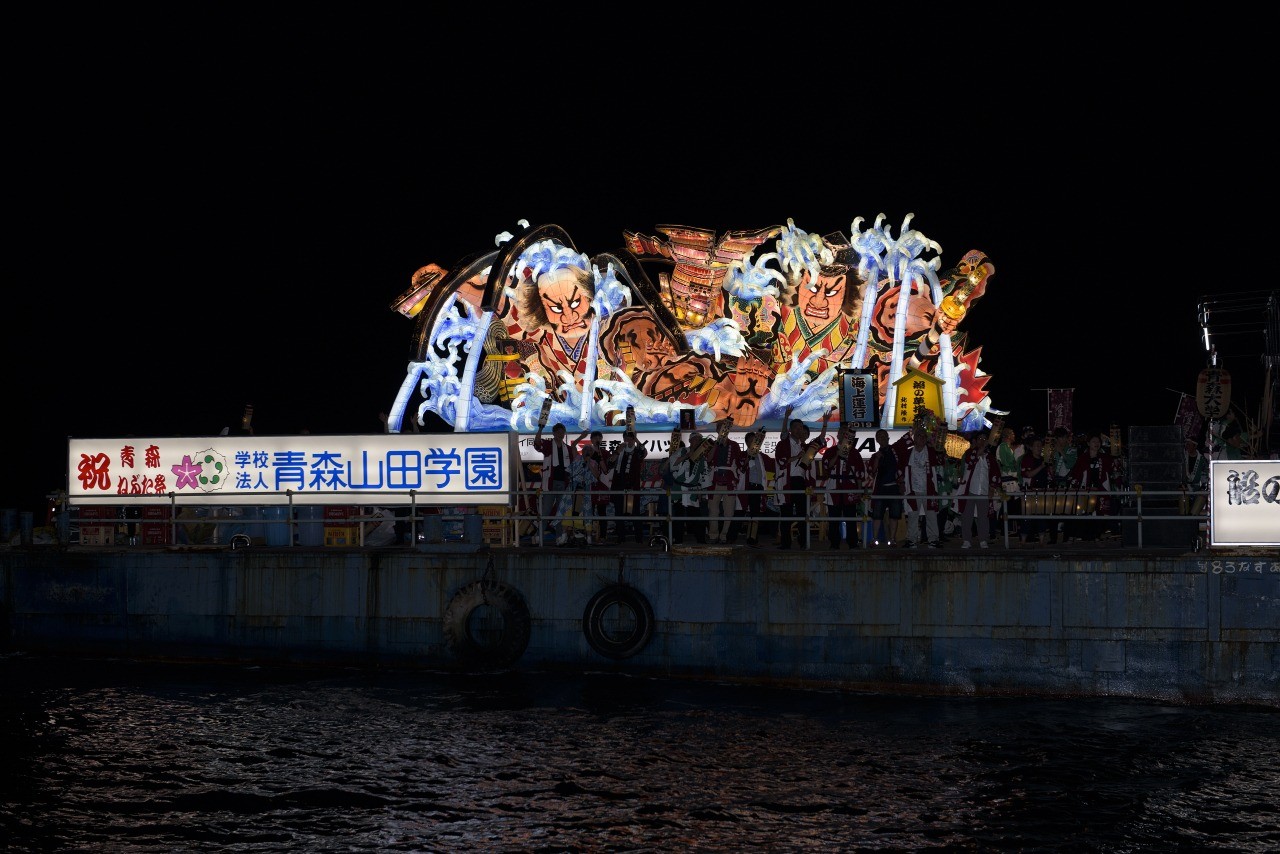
(821, 302)
(741, 391)
(689, 379)
(634, 341)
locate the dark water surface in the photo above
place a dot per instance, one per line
(114, 756)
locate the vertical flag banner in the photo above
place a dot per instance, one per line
(1060, 407)
(1188, 418)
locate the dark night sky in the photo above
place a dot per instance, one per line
(246, 248)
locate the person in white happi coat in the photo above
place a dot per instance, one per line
(980, 478)
(558, 459)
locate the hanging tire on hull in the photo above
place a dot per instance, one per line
(486, 624)
(618, 621)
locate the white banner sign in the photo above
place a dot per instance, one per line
(1244, 503)
(383, 469)
(658, 444)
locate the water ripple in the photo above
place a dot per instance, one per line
(124, 757)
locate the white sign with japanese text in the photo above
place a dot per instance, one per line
(657, 445)
(383, 469)
(1244, 503)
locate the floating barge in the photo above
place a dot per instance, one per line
(679, 329)
(1080, 619)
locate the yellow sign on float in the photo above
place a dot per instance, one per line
(912, 394)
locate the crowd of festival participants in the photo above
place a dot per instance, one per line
(909, 493)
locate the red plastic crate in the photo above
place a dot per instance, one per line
(94, 534)
(98, 511)
(97, 535)
(156, 534)
(336, 514)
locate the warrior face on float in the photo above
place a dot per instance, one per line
(733, 392)
(687, 379)
(633, 341)
(564, 296)
(558, 289)
(742, 390)
(555, 295)
(821, 299)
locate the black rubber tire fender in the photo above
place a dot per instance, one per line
(618, 621)
(491, 602)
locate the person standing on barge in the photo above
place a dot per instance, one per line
(846, 484)
(558, 457)
(1095, 471)
(980, 477)
(628, 476)
(759, 468)
(794, 456)
(728, 463)
(1195, 479)
(886, 509)
(919, 465)
(691, 478)
(1035, 479)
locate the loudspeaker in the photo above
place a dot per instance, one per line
(1167, 452)
(1156, 475)
(1180, 533)
(1155, 456)
(1156, 462)
(1157, 435)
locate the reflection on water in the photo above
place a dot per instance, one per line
(131, 757)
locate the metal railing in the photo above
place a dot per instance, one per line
(1085, 508)
(218, 524)
(1064, 505)
(522, 517)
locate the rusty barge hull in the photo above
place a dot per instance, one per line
(1182, 627)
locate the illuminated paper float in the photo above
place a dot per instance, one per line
(685, 324)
